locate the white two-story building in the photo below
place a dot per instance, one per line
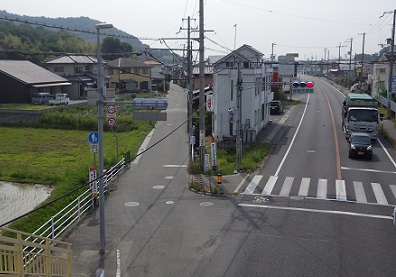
(255, 94)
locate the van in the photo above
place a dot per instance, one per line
(41, 98)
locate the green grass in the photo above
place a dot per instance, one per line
(58, 157)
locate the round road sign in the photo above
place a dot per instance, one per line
(111, 109)
(111, 122)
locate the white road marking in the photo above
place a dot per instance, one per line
(322, 189)
(304, 186)
(340, 190)
(379, 194)
(174, 165)
(316, 211)
(118, 272)
(287, 184)
(368, 170)
(359, 192)
(269, 186)
(253, 184)
(393, 188)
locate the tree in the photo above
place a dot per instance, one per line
(113, 48)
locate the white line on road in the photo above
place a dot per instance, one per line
(269, 186)
(359, 192)
(240, 184)
(118, 272)
(315, 211)
(379, 194)
(341, 190)
(368, 170)
(174, 165)
(253, 184)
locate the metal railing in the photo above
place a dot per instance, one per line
(21, 255)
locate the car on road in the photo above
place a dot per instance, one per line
(276, 107)
(360, 145)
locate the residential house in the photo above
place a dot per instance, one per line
(20, 79)
(79, 70)
(128, 75)
(380, 76)
(158, 76)
(255, 95)
(208, 76)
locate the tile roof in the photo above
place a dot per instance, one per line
(28, 72)
(73, 59)
(127, 63)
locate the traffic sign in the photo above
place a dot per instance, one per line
(93, 137)
(111, 122)
(94, 147)
(111, 109)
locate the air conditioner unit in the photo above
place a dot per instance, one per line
(64, 74)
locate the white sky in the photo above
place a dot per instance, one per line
(306, 27)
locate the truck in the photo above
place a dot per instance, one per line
(60, 99)
(360, 114)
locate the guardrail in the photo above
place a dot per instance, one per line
(22, 255)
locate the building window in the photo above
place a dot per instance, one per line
(110, 71)
(145, 71)
(78, 70)
(230, 64)
(382, 70)
(136, 70)
(59, 69)
(86, 68)
(246, 64)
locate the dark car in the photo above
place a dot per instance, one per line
(276, 107)
(360, 145)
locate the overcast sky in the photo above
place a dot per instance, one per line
(307, 27)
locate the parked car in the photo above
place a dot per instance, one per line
(276, 107)
(41, 98)
(60, 99)
(360, 145)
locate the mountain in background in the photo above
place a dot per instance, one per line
(86, 24)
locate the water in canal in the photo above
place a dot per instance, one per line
(17, 199)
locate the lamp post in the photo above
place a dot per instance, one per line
(100, 87)
(272, 52)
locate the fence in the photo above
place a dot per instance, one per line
(34, 254)
(24, 254)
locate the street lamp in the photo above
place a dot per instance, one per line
(100, 87)
(272, 52)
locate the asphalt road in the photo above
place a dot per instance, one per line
(155, 226)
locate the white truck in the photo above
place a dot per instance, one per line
(360, 114)
(60, 99)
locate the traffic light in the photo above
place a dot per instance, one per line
(303, 87)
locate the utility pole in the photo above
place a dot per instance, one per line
(238, 143)
(362, 69)
(202, 106)
(190, 90)
(350, 65)
(391, 58)
(339, 59)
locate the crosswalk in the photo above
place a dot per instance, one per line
(340, 190)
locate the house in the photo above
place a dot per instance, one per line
(208, 76)
(20, 79)
(79, 70)
(255, 95)
(158, 76)
(380, 76)
(127, 74)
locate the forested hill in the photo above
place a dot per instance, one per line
(10, 24)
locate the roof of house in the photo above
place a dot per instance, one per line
(127, 63)
(73, 59)
(151, 62)
(28, 72)
(237, 53)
